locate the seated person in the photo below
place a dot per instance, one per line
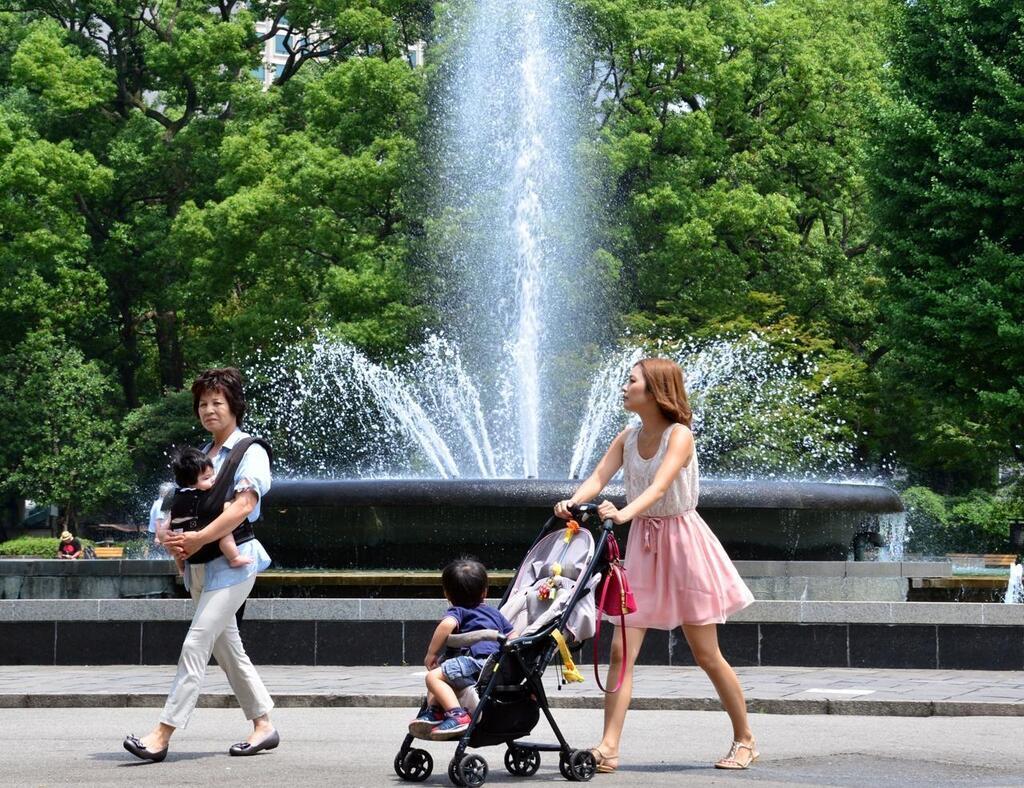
(193, 473)
(464, 582)
(69, 546)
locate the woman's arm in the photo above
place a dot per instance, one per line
(186, 543)
(438, 641)
(603, 473)
(677, 456)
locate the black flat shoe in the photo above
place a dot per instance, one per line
(244, 748)
(138, 749)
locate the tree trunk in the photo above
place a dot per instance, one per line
(172, 364)
(128, 358)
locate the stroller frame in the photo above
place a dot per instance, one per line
(522, 758)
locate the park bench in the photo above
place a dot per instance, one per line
(108, 552)
(988, 560)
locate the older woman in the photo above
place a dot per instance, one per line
(219, 589)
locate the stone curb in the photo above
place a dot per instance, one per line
(878, 708)
(288, 609)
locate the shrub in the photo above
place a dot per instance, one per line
(974, 523)
(35, 546)
(979, 523)
(927, 518)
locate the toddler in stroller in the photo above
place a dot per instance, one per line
(549, 605)
(465, 587)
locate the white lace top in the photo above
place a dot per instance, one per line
(638, 475)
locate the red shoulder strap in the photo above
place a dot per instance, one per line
(597, 635)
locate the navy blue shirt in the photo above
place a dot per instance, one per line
(473, 619)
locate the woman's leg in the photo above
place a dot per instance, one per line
(215, 611)
(616, 704)
(703, 640)
(245, 682)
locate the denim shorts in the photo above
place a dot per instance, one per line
(462, 672)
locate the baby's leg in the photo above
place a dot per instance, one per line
(229, 550)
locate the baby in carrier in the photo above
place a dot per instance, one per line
(193, 473)
(464, 582)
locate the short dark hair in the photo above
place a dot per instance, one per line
(464, 581)
(226, 380)
(187, 464)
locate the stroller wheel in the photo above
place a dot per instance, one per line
(521, 761)
(580, 766)
(471, 771)
(414, 765)
(453, 773)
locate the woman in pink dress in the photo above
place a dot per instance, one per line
(677, 568)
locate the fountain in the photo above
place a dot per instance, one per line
(1015, 586)
(465, 441)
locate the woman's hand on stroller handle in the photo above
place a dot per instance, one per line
(564, 509)
(569, 509)
(584, 513)
(609, 511)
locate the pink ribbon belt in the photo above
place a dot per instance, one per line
(651, 526)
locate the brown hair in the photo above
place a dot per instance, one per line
(664, 381)
(226, 380)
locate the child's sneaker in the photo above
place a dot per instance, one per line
(428, 718)
(454, 725)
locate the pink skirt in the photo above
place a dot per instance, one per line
(680, 574)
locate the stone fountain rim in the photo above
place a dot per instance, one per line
(541, 493)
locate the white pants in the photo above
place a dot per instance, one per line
(215, 631)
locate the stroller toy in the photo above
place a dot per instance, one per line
(551, 603)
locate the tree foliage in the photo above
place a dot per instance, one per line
(734, 138)
(131, 133)
(61, 443)
(948, 175)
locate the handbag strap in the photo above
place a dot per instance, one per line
(612, 548)
(597, 632)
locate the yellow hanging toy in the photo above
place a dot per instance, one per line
(550, 588)
(569, 670)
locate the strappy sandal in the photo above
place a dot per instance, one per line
(604, 765)
(732, 760)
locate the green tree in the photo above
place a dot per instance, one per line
(734, 137)
(948, 180)
(159, 99)
(61, 443)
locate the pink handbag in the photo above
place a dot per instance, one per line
(615, 599)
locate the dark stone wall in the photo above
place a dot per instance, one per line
(282, 642)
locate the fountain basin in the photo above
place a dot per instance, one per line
(422, 523)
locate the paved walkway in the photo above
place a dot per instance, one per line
(782, 690)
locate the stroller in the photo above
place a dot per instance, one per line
(551, 604)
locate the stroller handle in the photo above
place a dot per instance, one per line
(585, 511)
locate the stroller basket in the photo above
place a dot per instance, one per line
(551, 596)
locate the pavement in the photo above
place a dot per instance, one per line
(770, 690)
(356, 747)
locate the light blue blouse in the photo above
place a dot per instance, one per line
(253, 474)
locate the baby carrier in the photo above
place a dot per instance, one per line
(551, 605)
(195, 509)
